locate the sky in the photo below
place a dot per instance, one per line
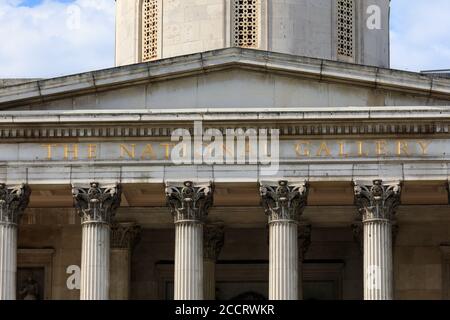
(49, 38)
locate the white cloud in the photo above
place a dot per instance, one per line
(420, 34)
(52, 39)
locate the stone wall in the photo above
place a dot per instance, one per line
(299, 27)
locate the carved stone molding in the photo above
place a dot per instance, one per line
(286, 129)
(284, 201)
(97, 204)
(304, 239)
(378, 200)
(189, 202)
(213, 240)
(124, 235)
(13, 202)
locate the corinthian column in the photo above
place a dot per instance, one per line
(124, 237)
(13, 201)
(97, 206)
(304, 240)
(213, 238)
(377, 203)
(189, 205)
(283, 205)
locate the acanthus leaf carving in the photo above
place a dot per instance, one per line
(189, 202)
(284, 201)
(97, 204)
(213, 240)
(124, 235)
(378, 200)
(13, 202)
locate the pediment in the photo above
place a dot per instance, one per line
(229, 78)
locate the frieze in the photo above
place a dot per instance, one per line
(289, 150)
(341, 128)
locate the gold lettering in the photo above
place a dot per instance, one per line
(424, 146)
(92, 151)
(247, 147)
(402, 147)
(381, 148)
(49, 150)
(342, 152)
(361, 152)
(167, 148)
(323, 148)
(130, 153)
(302, 149)
(148, 153)
(73, 151)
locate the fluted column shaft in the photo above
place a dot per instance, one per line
(95, 261)
(377, 202)
(13, 201)
(283, 260)
(209, 279)
(378, 268)
(304, 241)
(189, 206)
(97, 206)
(213, 240)
(188, 261)
(124, 236)
(8, 261)
(283, 204)
(119, 266)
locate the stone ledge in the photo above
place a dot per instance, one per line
(325, 70)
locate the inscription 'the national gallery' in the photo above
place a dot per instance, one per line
(288, 150)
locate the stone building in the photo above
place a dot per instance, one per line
(350, 202)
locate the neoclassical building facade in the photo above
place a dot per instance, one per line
(350, 201)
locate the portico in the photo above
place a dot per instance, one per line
(101, 210)
(324, 194)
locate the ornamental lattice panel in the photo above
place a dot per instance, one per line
(345, 25)
(246, 23)
(150, 30)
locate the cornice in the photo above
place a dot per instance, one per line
(290, 122)
(194, 64)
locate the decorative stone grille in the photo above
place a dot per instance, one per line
(150, 30)
(345, 28)
(246, 23)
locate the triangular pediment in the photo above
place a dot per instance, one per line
(229, 78)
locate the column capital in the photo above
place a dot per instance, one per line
(213, 240)
(97, 204)
(13, 202)
(284, 201)
(304, 239)
(378, 200)
(189, 202)
(124, 235)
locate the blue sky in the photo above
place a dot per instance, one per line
(47, 38)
